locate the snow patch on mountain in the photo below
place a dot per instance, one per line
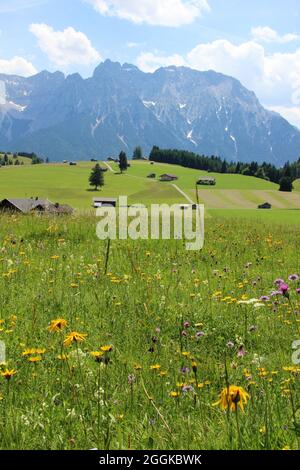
(121, 137)
(189, 136)
(95, 126)
(235, 145)
(149, 104)
(17, 107)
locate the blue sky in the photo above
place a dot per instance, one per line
(258, 42)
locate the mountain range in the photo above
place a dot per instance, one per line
(120, 107)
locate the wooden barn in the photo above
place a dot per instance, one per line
(168, 177)
(207, 181)
(26, 206)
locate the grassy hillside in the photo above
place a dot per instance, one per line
(188, 177)
(297, 185)
(69, 184)
(25, 160)
(230, 192)
(275, 216)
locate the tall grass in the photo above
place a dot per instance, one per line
(177, 333)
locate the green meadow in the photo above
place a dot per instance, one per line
(69, 184)
(233, 195)
(143, 344)
(146, 345)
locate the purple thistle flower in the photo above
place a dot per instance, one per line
(185, 370)
(199, 334)
(188, 388)
(284, 288)
(186, 324)
(264, 298)
(294, 277)
(298, 291)
(183, 333)
(230, 345)
(241, 352)
(275, 293)
(278, 282)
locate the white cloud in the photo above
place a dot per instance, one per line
(290, 114)
(171, 13)
(268, 35)
(65, 48)
(149, 62)
(274, 77)
(244, 61)
(17, 66)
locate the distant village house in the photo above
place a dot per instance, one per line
(27, 206)
(104, 202)
(207, 181)
(168, 177)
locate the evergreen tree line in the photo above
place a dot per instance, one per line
(266, 171)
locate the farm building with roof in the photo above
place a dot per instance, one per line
(26, 206)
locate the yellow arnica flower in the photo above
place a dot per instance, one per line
(74, 337)
(62, 357)
(155, 367)
(97, 355)
(28, 352)
(106, 348)
(57, 325)
(40, 351)
(34, 359)
(232, 397)
(32, 351)
(174, 394)
(8, 374)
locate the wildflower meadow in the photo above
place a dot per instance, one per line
(144, 345)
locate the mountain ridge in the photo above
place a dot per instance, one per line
(119, 107)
